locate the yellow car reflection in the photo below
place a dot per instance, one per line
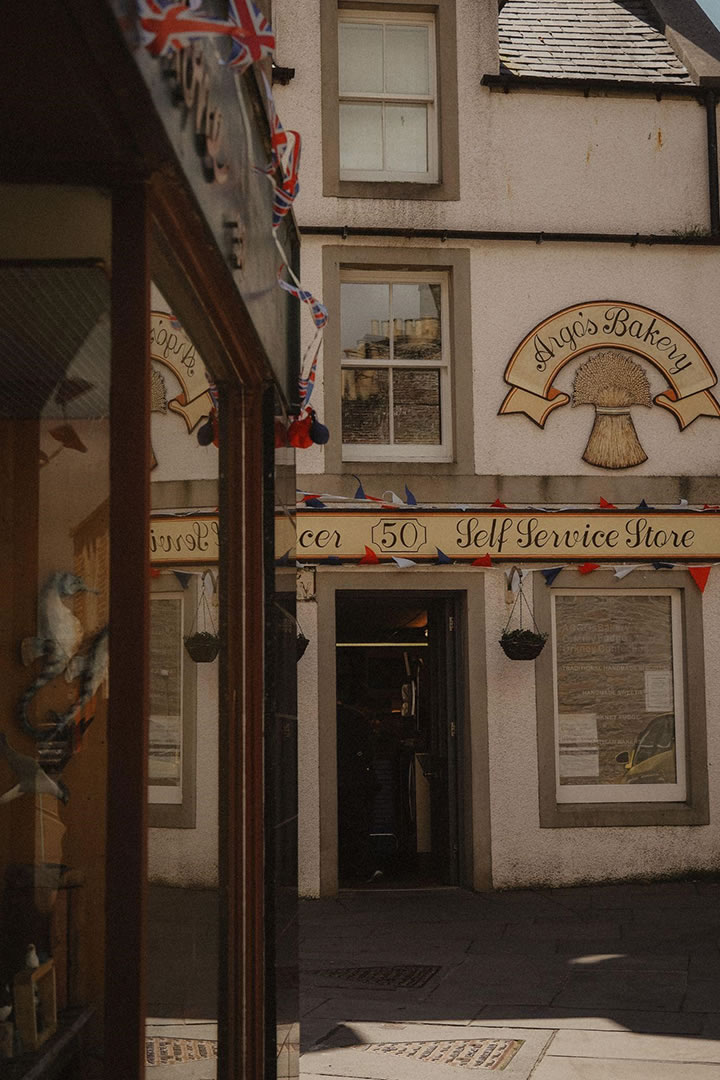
(652, 759)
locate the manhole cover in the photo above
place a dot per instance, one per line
(466, 1053)
(178, 1051)
(404, 976)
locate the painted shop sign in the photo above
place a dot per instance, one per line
(609, 324)
(510, 534)
(180, 540)
(170, 345)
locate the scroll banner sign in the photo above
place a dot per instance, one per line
(543, 353)
(509, 534)
(179, 541)
(170, 345)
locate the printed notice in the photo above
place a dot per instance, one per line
(578, 745)
(658, 691)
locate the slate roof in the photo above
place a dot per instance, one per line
(586, 39)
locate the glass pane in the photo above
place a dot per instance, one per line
(615, 689)
(407, 60)
(366, 405)
(406, 138)
(360, 58)
(361, 137)
(416, 314)
(416, 406)
(365, 320)
(55, 430)
(183, 903)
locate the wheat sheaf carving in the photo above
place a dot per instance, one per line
(613, 382)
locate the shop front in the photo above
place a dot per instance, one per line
(146, 861)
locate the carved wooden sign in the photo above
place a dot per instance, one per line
(615, 382)
(170, 345)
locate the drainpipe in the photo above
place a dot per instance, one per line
(712, 148)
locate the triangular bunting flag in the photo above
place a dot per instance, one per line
(184, 579)
(710, 506)
(551, 574)
(499, 505)
(442, 558)
(284, 560)
(360, 493)
(484, 560)
(154, 572)
(394, 499)
(334, 560)
(663, 565)
(513, 580)
(623, 571)
(700, 574)
(683, 502)
(315, 503)
(642, 505)
(369, 556)
(402, 563)
(409, 497)
(607, 505)
(588, 567)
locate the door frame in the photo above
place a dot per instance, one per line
(318, 716)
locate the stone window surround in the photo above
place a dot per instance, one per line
(456, 263)
(448, 186)
(695, 809)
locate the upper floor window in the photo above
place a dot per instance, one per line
(387, 92)
(395, 366)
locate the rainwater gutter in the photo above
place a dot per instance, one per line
(633, 239)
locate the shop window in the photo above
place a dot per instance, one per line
(395, 366)
(390, 101)
(387, 92)
(615, 706)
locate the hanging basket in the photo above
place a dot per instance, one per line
(203, 646)
(522, 644)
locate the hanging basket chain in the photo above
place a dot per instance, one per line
(521, 599)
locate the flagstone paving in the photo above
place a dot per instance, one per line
(617, 982)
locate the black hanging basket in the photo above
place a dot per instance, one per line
(521, 643)
(203, 645)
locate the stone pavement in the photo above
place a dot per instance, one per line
(614, 982)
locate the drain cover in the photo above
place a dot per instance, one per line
(178, 1051)
(466, 1053)
(403, 976)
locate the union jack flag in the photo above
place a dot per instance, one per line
(318, 311)
(285, 158)
(253, 38)
(167, 28)
(306, 385)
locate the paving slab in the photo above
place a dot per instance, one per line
(420, 1051)
(661, 990)
(620, 1020)
(631, 1046)
(559, 1068)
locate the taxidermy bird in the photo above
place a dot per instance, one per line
(92, 670)
(32, 778)
(59, 636)
(32, 960)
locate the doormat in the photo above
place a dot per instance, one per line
(160, 1051)
(466, 1053)
(402, 976)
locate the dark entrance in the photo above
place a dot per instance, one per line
(397, 734)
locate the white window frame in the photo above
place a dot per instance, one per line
(442, 451)
(383, 19)
(629, 793)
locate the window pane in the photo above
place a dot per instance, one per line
(615, 689)
(416, 314)
(365, 320)
(416, 406)
(407, 60)
(406, 138)
(366, 405)
(361, 58)
(361, 137)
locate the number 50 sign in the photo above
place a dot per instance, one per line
(399, 534)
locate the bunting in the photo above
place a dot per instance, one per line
(551, 573)
(699, 574)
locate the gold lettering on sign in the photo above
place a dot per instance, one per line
(598, 324)
(170, 345)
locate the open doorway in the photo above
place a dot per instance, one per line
(398, 722)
